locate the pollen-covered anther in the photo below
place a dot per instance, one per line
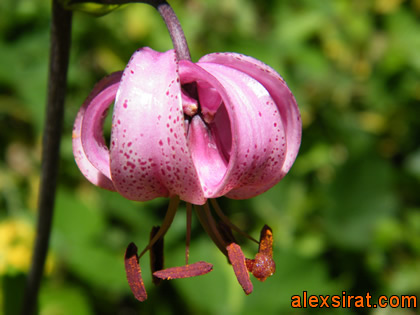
(237, 259)
(133, 273)
(187, 271)
(208, 118)
(189, 105)
(263, 266)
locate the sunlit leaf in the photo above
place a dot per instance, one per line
(93, 8)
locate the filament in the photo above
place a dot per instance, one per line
(188, 236)
(229, 223)
(167, 221)
(211, 232)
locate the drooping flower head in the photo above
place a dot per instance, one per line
(227, 125)
(236, 135)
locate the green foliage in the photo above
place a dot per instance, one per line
(346, 217)
(95, 9)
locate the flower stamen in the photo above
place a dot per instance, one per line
(263, 265)
(188, 234)
(210, 229)
(229, 223)
(167, 221)
(133, 272)
(180, 272)
(237, 259)
(156, 254)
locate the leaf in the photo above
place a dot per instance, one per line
(75, 220)
(358, 198)
(79, 230)
(12, 293)
(92, 8)
(64, 300)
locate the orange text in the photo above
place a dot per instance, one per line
(347, 301)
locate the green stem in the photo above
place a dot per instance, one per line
(57, 82)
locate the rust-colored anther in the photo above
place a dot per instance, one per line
(237, 259)
(193, 270)
(156, 255)
(133, 272)
(263, 266)
(266, 241)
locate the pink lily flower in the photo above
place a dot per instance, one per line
(227, 125)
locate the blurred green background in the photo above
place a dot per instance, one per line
(346, 218)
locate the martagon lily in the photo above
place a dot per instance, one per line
(227, 125)
(237, 137)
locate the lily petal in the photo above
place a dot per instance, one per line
(219, 181)
(149, 153)
(210, 100)
(281, 95)
(210, 164)
(257, 145)
(259, 134)
(92, 158)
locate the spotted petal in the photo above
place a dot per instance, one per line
(286, 107)
(92, 157)
(247, 133)
(149, 153)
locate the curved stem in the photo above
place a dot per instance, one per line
(168, 15)
(57, 82)
(175, 31)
